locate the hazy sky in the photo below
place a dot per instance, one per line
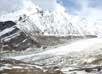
(46, 4)
(71, 5)
(76, 5)
(9, 5)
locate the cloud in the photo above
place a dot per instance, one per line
(46, 4)
(90, 9)
(9, 5)
(72, 6)
(95, 3)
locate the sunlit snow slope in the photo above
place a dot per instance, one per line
(56, 22)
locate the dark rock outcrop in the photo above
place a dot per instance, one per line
(12, 66)
(6, 24)
(12, 38)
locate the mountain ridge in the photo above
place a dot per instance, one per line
(55, 22)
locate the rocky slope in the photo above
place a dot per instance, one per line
(85, 59)
(12, 38)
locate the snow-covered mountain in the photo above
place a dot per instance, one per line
(56, 22)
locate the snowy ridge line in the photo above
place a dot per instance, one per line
(58, 22)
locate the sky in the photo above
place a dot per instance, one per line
(92, 8)
(78, 5)
(9, 5)
(46, 4)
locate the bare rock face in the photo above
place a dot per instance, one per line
(12, 38)
(12, 66)
(24, 69)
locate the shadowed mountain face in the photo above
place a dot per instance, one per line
(12, 38)
(6, 24)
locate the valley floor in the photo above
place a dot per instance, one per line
(79, 54)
